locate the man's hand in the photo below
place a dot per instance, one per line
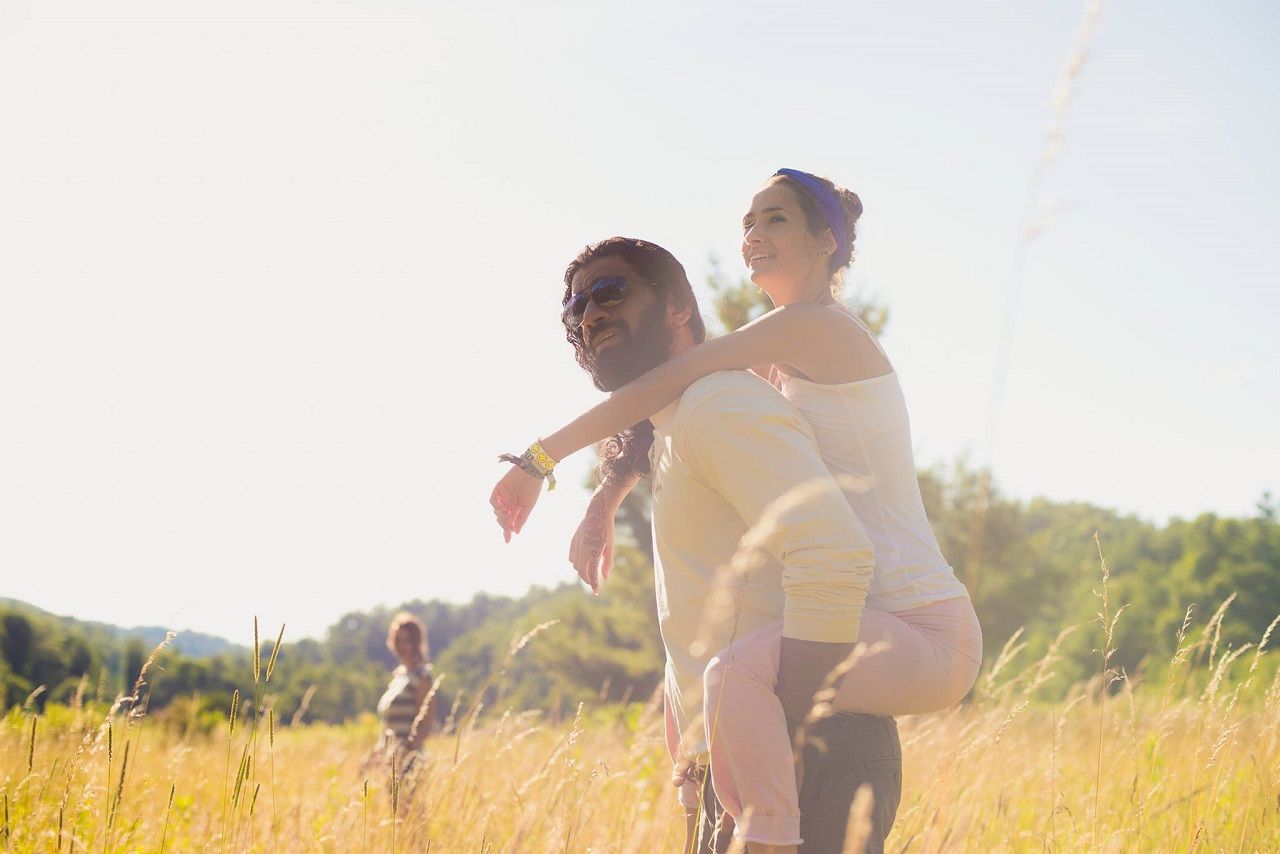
(686, 770)
(803, 668)
(591, 551)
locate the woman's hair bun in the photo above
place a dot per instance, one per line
(851, 203)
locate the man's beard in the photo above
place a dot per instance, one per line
(625, 360)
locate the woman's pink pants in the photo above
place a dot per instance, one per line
(928, 659)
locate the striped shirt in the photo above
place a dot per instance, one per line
(400, 702)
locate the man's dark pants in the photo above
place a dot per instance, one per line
(855, 749)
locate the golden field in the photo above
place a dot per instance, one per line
(1189, 762)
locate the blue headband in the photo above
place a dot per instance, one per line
(828, 201)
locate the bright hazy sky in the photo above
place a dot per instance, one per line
(279, 280)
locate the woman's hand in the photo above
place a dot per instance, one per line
(512, 500)
(591, 551)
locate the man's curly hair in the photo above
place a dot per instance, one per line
(627, 454)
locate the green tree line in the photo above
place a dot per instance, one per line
(1038, 570)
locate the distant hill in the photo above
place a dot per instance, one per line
(193, 644)
(330, 679)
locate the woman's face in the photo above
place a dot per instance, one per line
(407, 646)
(785, 259)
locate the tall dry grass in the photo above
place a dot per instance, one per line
(1190, 764)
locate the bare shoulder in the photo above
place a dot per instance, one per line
(810, 319)
(798, 316)
(837, 347)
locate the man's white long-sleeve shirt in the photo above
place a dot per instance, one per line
(732, 459)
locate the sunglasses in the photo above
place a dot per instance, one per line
(605, 292)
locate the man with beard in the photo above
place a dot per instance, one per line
(731, 453)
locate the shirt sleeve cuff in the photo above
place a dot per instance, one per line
(802, 624)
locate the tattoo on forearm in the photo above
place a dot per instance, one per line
(593, 533)
(593, 529)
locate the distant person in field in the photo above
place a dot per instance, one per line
(723, 446)
(405, 722)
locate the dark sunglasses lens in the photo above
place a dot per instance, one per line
(606, 293)
(609, 292)
(574, 309)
